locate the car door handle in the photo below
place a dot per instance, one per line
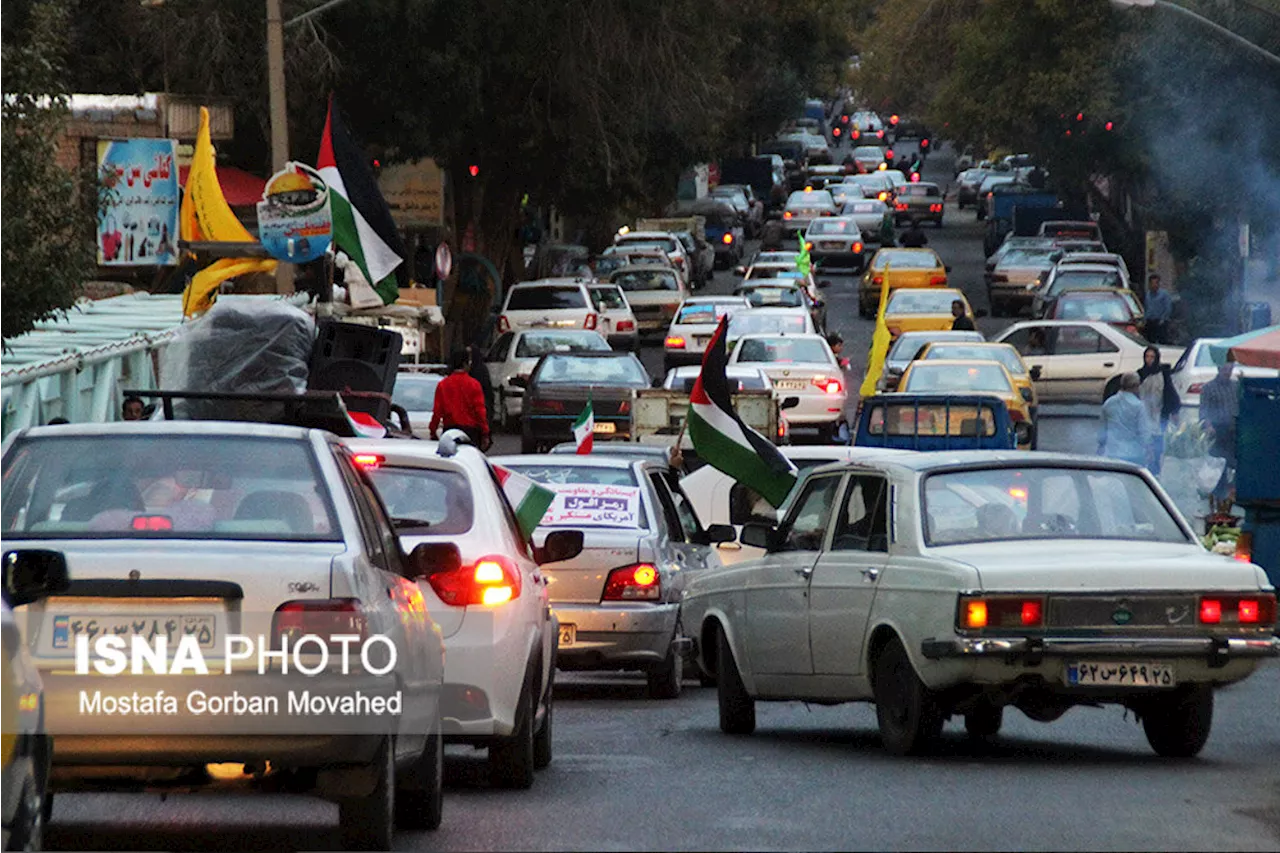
(804, 571)
(1108, 364)
(871, 573)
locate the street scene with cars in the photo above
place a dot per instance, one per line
(852, 459)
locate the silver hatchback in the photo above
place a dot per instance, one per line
(618, 602)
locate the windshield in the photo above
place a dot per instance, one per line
(1026, 257)
(1006, 355)
(910, 343)
(539, 344)
(748, 323)
(1093, 308)
(925, 377)
(703, 314)
(415, 393)
(425, 500)
(1073, 279)
(906, 260)
(833, 226)
(622, 370)
(783, 351)
(156, 486)
(668, 245)
(1044, 503)
(920, 301)
(919, 190)
(545, 298)
(773, 297)
(633, 281)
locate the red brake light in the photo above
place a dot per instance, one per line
(877, 279)
(901, 205)
(369, 460)
(675, 342)
(785, 215)
(1195, 388)
(830, 386)
(504, 325)
(1001, 612)
(856, 248)
(591, 322)
(626, 326)
(857, 134)
(152, 522)
(728, 238)
(324, 617)
(888, 154)
(835, 131)
(1210, 611)
(640, 582)
(1248, 611)
(1032, 612)
(491, 581)
(937, 279)
(924, 143)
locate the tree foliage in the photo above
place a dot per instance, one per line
(48, 226)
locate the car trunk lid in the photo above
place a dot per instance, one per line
(582, 579)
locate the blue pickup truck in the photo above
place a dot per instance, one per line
(935, 422)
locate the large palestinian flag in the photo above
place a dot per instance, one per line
(723, 440)
(362, 224)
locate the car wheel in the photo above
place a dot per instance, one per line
(737, 708)
(542, 740)
(420, 795)
(511, 759)
(667, 678)
(907, 711)
(983, 722)
(1178, 726)
(366, 823)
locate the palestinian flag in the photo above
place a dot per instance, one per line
(584, 429)
(720, 437)
(529, 500)
(362, 224)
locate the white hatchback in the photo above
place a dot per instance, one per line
(553, 303)
(800, 365)
(693, 326)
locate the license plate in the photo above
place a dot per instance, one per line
(173, 627)
(605, 427)
(568, 634)
(791, 384)
(1120, 674)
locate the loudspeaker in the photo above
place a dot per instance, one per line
(352, 357)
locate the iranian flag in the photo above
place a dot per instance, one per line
(584, 429)
(529, 500)
(720, 437)
(362, 223)
(365, 425)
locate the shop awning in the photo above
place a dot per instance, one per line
(1259, 348)
(240, 188)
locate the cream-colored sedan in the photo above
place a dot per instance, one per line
(961, 583)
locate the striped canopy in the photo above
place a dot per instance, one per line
(1259, 348)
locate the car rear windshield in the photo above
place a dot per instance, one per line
(539, 344)
(647, 280)
(1006, 355)
(1032, 502)
(545, 298)
(425, 500)
(931, 419)
(668, 245)
(907, 261)
(918, 190)
(1072, 279)
(608, 299)
(783, 351)
(154, 486)
(415, 393)
(910, 343)
(926, 378)
(703, 313)
(623, 370)
(1093, 308)
(774, 297)
(754, 324)
(833, 226)
(919, 301)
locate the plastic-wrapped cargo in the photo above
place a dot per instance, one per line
(250, 346)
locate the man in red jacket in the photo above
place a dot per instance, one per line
(459, 403)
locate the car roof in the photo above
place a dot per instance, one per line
(549, 282)
(959, 459)
(565, 460)
(643, 235)
(956, 293)
(402, 452)
(175, 427)
(717, 299)
(773, 311)
(731, 369)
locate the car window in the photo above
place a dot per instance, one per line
(832, 226)
(577, 474)
(773, 297)
(913, 300)
(374, 546)
(425, 500)
(608, 299)
(415, 393)
(1092, 308)
(783, 351)
(500, 348)
(1204, 357)
(703, 313)
(561, 368)
(925, 377)
(806, 526)
(747, 323)
(1077, 340)
(862, 523)
(689, 522)
(538, 344)
(634, 281)
(383, 527)
(906, 260)
(1004, 355)
(675, 529)
(545, 298)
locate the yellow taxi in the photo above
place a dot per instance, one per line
(904, 268)
(971, 376)
(974, 351)
(922, 309)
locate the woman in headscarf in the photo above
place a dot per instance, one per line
(1161, 401)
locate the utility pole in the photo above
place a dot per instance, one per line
(279, 116)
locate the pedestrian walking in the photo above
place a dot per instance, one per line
(1158, 309)
(459, 403)
(1125, 425)
(1219, 407)
(962, 321)
(1161, 401)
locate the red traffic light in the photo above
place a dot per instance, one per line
(924, 143)
(377, 164)
(473, 170)
(1079, 116)
(1109, 126)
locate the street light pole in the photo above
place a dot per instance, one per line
(279, 117)
(1240, 40)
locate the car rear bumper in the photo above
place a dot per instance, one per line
(838, 259)
(624, 341)
(616, 636)
(1217, 650)
(681, 358)
(185, 750)
(557, 428)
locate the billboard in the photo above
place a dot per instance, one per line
(138, 222)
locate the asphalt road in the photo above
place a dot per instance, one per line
(635, 774)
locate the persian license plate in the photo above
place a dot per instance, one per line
(790, 384)
(173, 627)
(1120, 674)
(605, 427)
(568, 634)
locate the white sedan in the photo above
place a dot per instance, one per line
(958, 584)
(1196, 367)
(802, 365)
(1073, 360)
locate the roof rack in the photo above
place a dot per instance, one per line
(309, 409)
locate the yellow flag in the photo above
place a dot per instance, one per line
(206, 216)
(879, 342)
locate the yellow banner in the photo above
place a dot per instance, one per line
(879, 342)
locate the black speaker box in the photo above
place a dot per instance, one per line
(352, 357)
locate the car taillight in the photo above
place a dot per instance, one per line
(830, 386)
(883, 196)
(856, 248)
(1195, 388)
(626, 326)
(1252, 609)
(591, 322)
(152, 522)
(322, 617)
(1244, 547)
(835, 131)
(554, 406)
(1004, 611)
(727, 239)
(888, 155)
(999, 277)
(877, 279)
(504, 325)
(1016, 416)
(489, 582)
(901, 205)
(786, 214)
(624, 408)
(857, 134)
(640, 582)
(937, 279)
(674, 342)
(935, 208)
(678, 262)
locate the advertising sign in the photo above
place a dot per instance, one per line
(294, 220)
(138, 223)
(415, 193)
(586, 505)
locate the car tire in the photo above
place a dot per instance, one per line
(666, 679)
(420, 794)
(984, 721)
(1178, 726)
(368, 822)
(511, 759)
(737, 708)
(543, 738)
(907, 711)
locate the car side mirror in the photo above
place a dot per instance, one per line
(560, 545)
(756, 535)
(718, 534)
(431, 558)
(519, 381)
(1035, 373)
(789, 403)
(32, 574)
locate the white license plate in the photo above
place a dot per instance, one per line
(173, 627)
(568, 635)
(1120, 674)
(605, 427)
(791, 384)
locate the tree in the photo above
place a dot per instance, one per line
(48, 225)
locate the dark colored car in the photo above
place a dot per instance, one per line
(560, 387)
(935, 422)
